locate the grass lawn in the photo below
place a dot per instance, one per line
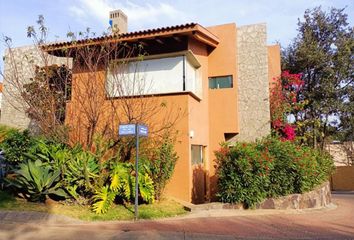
(166, 208)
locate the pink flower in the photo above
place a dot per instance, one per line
(288, 133)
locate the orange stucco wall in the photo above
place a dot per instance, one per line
(274, 68)
(199, 122)
(223, 112)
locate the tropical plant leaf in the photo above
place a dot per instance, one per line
(104, 200)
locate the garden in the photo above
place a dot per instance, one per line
(44, 175)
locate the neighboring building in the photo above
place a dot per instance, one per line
(220, 75)
(118, 21)
(19, 65)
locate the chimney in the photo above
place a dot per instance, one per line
(118, 21)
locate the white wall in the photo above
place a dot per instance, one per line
(154, 76)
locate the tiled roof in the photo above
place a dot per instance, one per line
(184, 28)
(158, 30)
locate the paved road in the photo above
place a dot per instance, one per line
(335, 223)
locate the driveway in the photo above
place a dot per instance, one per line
(330, 223)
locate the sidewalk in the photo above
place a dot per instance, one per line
(335, 223)
(15, 217)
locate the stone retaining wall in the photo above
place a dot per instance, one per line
(320, 197)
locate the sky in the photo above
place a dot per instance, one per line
(61, 16)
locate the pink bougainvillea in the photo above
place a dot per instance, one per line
(288, 133)
(284, 100)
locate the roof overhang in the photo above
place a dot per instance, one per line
(192, 30)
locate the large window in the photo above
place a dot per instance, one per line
(154, 76)
(220, 82)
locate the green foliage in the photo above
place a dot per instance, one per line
(323, 53)
(122, 185)
(15, 145)
(53, 154)
(162, 166)
(251, 172)
(51, 168)
(146, 187)
(242, 173)
(103, 200)
(82, 171)
(4, 131)
(122, 182)
(79, 169)
(36, 181)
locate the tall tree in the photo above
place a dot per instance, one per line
(323, 53)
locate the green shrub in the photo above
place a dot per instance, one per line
(162, 165)
(4, 131)
(250, 172)
(15, 145)
(37, 181)
(242, 173)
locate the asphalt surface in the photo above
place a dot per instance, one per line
(329, 223)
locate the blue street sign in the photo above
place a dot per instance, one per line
(143, 130)
(129, 130)
(126, 130)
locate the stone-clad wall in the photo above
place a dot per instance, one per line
(19, 66)
(253, 86)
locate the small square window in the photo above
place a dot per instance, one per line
(220, 82)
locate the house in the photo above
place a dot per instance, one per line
(220, 76)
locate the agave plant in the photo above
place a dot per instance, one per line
(37, 181)
(55, 155)
(82, 170)
(122, 184)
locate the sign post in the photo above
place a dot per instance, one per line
(134, 130)
(136, 215)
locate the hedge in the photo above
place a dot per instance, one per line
(250, 172)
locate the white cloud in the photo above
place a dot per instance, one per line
(77, 12)
(139, 14)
